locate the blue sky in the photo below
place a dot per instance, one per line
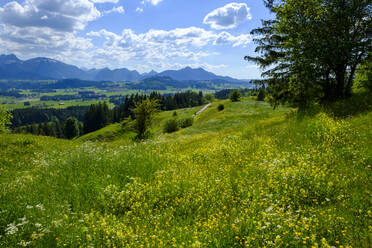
(136, 34)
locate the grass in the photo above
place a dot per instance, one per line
(247, 176)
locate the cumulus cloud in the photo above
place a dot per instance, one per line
(162, 48)
(60, 15)
(140, 10)
(46, 27)
(34, 41)
(229, 16)
(119, 10)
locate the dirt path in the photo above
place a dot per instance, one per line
(204, 108)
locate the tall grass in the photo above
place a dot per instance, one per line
(247, 176)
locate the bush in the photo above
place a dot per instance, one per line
(221, 107)
(171, 126)
(187, 122)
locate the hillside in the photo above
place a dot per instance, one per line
(247, 176)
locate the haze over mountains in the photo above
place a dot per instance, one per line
(49, 69)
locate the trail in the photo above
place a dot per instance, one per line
(201, 110)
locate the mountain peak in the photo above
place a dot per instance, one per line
(9, 59)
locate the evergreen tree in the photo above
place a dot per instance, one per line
(71, 129)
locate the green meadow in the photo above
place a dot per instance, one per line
(247, 176)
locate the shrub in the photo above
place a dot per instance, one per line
(187, 122)
(171, 126)
(221, 107)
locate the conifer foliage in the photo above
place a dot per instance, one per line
(98, 116)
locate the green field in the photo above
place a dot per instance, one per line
(247, 176)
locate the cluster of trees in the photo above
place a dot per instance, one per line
(92, 96)
(12, 93)
(28, 116)
(68, 129)
(225, 93)
(60, 98)
(97, 116)
(46, 86)
(165, 102)
(312, 49)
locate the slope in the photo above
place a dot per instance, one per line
(247, 176)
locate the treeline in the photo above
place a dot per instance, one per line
(166, 102)
(56, 129)
(83, 96)
(12, 93)
(225, 93)
(29, 116)
(44, 85)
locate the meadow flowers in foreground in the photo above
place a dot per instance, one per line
(277, 183)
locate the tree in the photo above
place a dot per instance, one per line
(71, 129)
(144, 113)
(98, 116)
(5, 117)
(235, 96)
(311, 50)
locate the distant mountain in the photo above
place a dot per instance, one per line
(148, 74)
(47, 69)
(9, 59)
(117, 75)
(50, 68)
(188, 74)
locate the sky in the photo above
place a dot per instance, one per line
(140, 35)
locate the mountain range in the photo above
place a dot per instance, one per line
(12, 68)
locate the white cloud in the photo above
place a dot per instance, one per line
(34, 41)
(162, 49)
(119, 10)
(226, 38)
(229, 16)
(46, 28)
(105, 1)
(140, 10)
(60, 15)
(153, 2)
